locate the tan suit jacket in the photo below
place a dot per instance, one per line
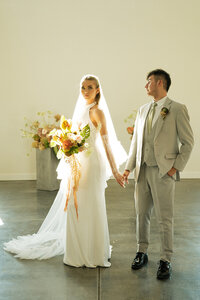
(173, 140)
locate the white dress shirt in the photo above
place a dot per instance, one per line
(160, 103)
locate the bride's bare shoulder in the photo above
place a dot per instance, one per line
(97, 113)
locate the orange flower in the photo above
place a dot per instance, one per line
(67, 144)
(130, 130)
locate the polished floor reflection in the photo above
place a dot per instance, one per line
(22, 209)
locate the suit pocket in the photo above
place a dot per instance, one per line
(171, 155)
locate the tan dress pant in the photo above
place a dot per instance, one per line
(153, 191)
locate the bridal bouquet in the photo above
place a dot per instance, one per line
(69, 143)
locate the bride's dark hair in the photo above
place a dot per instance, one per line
(92, 78)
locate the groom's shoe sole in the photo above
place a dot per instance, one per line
(136, 266)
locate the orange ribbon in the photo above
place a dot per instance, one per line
(75, 177)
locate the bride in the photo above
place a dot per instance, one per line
(83, 240)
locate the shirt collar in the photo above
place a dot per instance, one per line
(161, 101)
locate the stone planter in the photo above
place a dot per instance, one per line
(46, 164)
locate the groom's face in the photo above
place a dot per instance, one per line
(151, 86)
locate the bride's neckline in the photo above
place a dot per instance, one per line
(91, 105)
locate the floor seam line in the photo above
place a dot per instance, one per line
(99, 284)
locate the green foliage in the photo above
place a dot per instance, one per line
(73, 150)
(45, 142)
(55, 150)
(36, 137)
(85, 132)
(131, 118)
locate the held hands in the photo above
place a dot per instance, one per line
(125, 175)
(119, 178)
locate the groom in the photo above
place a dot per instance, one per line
(160, 148)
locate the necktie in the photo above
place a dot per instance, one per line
(150, 117)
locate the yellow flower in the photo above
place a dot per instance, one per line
(55, 138)
(35, 144)
(65, 124)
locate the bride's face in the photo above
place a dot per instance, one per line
(89, 90)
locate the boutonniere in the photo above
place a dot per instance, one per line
(164, 111)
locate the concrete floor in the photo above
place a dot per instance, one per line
(22, 209)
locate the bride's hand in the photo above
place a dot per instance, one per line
(119, 178)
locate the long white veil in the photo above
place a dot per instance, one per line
(49, 241)
(118, 151)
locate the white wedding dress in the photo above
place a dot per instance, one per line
(87, 238)
(84, 241)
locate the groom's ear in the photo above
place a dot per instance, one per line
(159, 83)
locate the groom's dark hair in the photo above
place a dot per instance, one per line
(164, 76)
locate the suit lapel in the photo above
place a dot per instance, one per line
(160, 120)
(144, 115)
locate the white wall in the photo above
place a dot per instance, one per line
(47, 45)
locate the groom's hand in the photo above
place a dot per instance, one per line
(171, 172)
(125, 175)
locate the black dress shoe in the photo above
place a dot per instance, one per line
(164, 270)
(139, 261)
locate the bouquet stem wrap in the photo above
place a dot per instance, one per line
(69, 143)
(73, 180)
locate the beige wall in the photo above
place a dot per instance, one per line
(46, 46)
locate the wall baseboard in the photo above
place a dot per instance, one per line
(190, 175)
(183, 175)
(17, 176)
(32, 176)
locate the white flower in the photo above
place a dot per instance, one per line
(44, 131)
(52, 132)
(79, 139)
(71, 136)
(59, 132)
(53, 143)
(59, 154)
